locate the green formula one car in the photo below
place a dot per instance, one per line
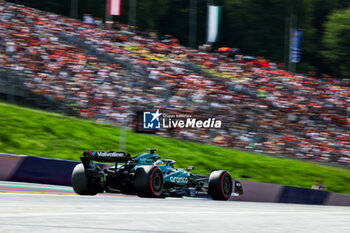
(148, 176)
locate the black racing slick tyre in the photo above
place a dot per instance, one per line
(81, 183)
(220, 185)
(148, 181)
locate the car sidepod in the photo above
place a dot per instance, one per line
(180, 178)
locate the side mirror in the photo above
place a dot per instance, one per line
(189, 168)
(151, 150)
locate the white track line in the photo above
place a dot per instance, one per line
(10, 215)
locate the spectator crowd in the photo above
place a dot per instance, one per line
(263, 108)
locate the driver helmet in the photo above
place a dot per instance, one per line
(159, 163)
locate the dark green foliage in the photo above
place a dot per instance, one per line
(337, 42)
(61, 7)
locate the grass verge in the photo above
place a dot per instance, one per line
(39, 133)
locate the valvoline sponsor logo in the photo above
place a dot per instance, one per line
(107, 154)
(110, 154)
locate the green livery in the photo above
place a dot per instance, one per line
(148, 176)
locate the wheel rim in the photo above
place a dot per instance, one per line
(157, 182)
(227, 186)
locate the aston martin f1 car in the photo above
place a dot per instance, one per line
(148, 176)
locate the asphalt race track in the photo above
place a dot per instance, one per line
(47, 209)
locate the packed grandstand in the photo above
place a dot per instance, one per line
(263, 108)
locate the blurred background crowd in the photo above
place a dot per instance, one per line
(109, 73)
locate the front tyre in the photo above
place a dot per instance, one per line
(148, 181)
(81, 183)
(220, 185)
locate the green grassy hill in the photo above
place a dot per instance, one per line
(38, 133)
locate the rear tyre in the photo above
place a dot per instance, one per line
(82, 184)
(220, 185)
(148, 181)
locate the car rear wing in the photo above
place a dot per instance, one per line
(101, 156)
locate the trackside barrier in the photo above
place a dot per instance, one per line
(302, 196)
(261, 192)
(56, 171)
(37, 169)
(9, 165)
(264, 192)
(33, 169)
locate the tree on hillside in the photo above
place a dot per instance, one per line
(322, 9)
(337, 43)
(259, 27)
